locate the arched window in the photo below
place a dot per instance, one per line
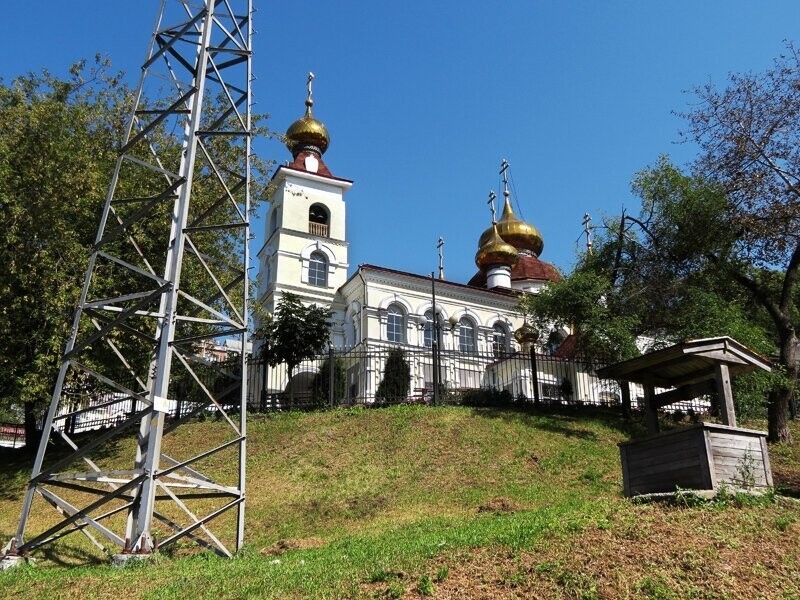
(466, 335)
(427, 333)
(499, 339)
(273, 220)
(554, 340)
(318, 218)
(395, 324)
(318, 269)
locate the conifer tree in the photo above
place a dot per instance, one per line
(396, 378)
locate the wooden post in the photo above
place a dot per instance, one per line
(723, 380)
(625, 388)
(650, 410)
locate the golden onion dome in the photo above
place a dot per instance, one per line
(307, 134)
(494, 251)
(526, 335)
(516, 232)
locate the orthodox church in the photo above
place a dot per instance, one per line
(306, 253)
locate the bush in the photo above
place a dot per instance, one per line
(396, 380)
(488, 398)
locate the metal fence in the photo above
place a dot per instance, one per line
(12, 435)
(364, 376)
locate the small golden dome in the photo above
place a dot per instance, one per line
(516, 232)
(307, 134)
(494, 251)
(526, 335)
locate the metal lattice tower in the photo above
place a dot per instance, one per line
(167, 276)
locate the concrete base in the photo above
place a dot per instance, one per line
(129, 559)
(9, 562)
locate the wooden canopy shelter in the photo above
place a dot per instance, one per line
(705, 456)
(693, 368)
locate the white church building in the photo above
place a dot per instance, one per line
(374, 307)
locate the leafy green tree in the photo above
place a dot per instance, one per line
(396, 378)
(657, 275)
(59, 140)
(57, 150)
(586, 301)
(295, 333)
(749, 135)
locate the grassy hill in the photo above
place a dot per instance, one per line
(447, 502)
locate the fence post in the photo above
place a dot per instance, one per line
(331, 375)
(535, 376)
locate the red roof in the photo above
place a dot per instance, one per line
(568, 348)
(527, 268)
(299, 163)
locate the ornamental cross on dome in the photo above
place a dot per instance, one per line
(492, 196)
(503, 171)
(440, 246)
(309, 100)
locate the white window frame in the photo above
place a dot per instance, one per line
(393, 332)
(318, 277)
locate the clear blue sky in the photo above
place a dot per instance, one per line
(424, 99)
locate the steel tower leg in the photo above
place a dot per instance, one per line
(140, 340)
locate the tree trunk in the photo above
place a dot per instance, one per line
(32, 433)
(778, 406)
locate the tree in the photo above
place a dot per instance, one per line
(585, 300)
(320, 386)
(59, 140)
(396, 378)
(295, 333)
(656, 275)
(57, 147)
(749, 134)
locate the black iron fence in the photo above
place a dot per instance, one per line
(368, 376)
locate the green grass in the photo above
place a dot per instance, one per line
(382, 503)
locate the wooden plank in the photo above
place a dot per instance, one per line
(650, 409)
(671, 438)
(723, 380)
(722, 356)
(732, 435)
(645, 461)
(740, 430)
(626, 476)
(663, 435)
(736, 453)
(661, 446)
(683, 463)
(662, 450)
(732, 475)
(685, 392)
(683, 477)
(707, 469)
(765, 461)
(735, 443)
(689, 478)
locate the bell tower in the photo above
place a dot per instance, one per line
(305, 251)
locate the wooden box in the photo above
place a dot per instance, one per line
(701, 457)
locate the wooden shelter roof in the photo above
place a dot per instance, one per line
(686, 363)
